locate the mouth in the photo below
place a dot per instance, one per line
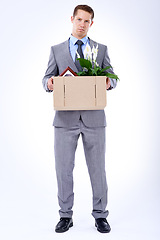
(81, 30)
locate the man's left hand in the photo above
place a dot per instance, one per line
(108, 83)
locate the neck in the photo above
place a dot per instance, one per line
(78, 37)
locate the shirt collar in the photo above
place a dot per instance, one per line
(74, 40)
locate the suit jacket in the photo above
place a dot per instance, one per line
(60, 58)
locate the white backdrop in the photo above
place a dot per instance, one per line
(28, 201)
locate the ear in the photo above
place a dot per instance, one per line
(91, 23)
(72, 18)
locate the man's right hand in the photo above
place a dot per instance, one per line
(50, 84)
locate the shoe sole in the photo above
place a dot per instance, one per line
(61, 231)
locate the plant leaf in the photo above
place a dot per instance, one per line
(106, 68)
(82, 73)
(110, 75)
(84, 63)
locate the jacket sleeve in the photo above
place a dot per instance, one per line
(106, 62)
(52, 70)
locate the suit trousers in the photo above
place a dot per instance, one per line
(65, 144)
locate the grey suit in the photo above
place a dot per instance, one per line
(68, 127)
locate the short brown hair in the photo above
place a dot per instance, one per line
(84, 8)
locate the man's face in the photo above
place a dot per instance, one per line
(81, 24)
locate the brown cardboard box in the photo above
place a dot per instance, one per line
(79, 93)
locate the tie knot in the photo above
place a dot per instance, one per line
(79, 42)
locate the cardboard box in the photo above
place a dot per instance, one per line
(79, 93)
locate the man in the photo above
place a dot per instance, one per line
(68, 125)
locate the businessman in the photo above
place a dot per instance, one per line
(69, 125)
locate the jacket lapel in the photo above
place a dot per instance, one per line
(68, 56)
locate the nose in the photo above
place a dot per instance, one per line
(82, 24)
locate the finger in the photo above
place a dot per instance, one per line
(51, 80)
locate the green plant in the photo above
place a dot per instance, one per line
(90, 56)
(88, 70)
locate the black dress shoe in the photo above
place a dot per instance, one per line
(102, 225)
(63, 225)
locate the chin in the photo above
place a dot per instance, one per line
(81, 35)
